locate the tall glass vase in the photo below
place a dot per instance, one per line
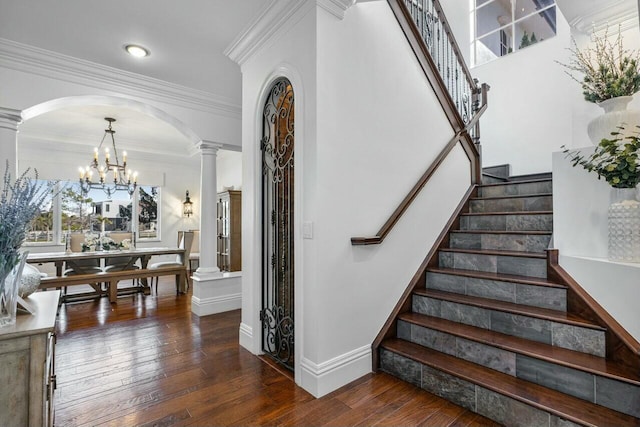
(9, 284)
(624, 225)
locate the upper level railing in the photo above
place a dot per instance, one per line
(462, 99)
(435, 32)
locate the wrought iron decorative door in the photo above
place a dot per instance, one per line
(277, 145)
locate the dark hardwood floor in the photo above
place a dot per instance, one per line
(148, 361)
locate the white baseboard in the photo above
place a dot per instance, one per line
(323, 378)
(213, 305)
(246, 337)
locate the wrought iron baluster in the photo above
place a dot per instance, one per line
(437, 37)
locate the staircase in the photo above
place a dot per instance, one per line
(490, 332)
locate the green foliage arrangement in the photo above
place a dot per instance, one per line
(615, 160)
(609, 70)
(20, 202)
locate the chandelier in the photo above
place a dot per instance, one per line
(112, 176)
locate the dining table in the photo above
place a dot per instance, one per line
(132, 264)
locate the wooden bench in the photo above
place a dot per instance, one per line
(111, 278)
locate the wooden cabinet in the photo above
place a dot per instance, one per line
(27, 372)
(229, 247)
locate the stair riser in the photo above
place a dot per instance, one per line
(516, 189)
(502, 171)
(593, 388)
(519, 293)
(507, 242)
(520, 204)
(490, 404)
(563, 335)
(515, 222)
(534, 267)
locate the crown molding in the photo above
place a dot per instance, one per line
(336, 7)
(275, 18)
(10, 118)
(34, 60)
(598, 15)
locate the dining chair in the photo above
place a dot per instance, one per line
(194, 255)
(80, 266)
(185, 241)
(120, 263)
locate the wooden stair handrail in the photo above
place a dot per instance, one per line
(470, 149)
(418, 279)
(463, 132)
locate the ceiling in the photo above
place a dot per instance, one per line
(186, 39)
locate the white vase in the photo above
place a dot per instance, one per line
(615, 115)
(624, 225)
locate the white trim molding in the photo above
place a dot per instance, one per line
(10, 118)
(589, 15)
(246, 338)
(33, 60)
(336, 7)
(213, 305)
(273, 21)
(320, 379)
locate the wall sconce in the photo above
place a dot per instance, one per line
(187, 206)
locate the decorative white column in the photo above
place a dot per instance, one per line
(9, 121)
(208, 266)
(213, 292)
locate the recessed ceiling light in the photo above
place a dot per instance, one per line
(136, 50)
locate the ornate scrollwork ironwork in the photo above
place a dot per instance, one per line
(277, 145)
(278, 334)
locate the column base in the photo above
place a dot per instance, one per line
(206, 273)
(214, 292)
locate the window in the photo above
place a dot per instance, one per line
(501, 27)
(72, 212)
(148, 220)
(41, 229)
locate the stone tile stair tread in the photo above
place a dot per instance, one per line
(526, 280)
(524, 181)
(515, 232)
(507, 213)
(498, 252)
(565, 406)
(512, 196)
(510, 307)
(531, 176)
(569, 358)
(490, 175)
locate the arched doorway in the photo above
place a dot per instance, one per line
(277, 146)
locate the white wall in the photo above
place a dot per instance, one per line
(361, 143)
(530, 105)
(534, 107)
(291, 55)
(229, 170)
(580, 209)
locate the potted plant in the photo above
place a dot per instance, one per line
(617, 161)
(610, 78)
(20, 203)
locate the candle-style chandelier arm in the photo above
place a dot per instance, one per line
(123, 179)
